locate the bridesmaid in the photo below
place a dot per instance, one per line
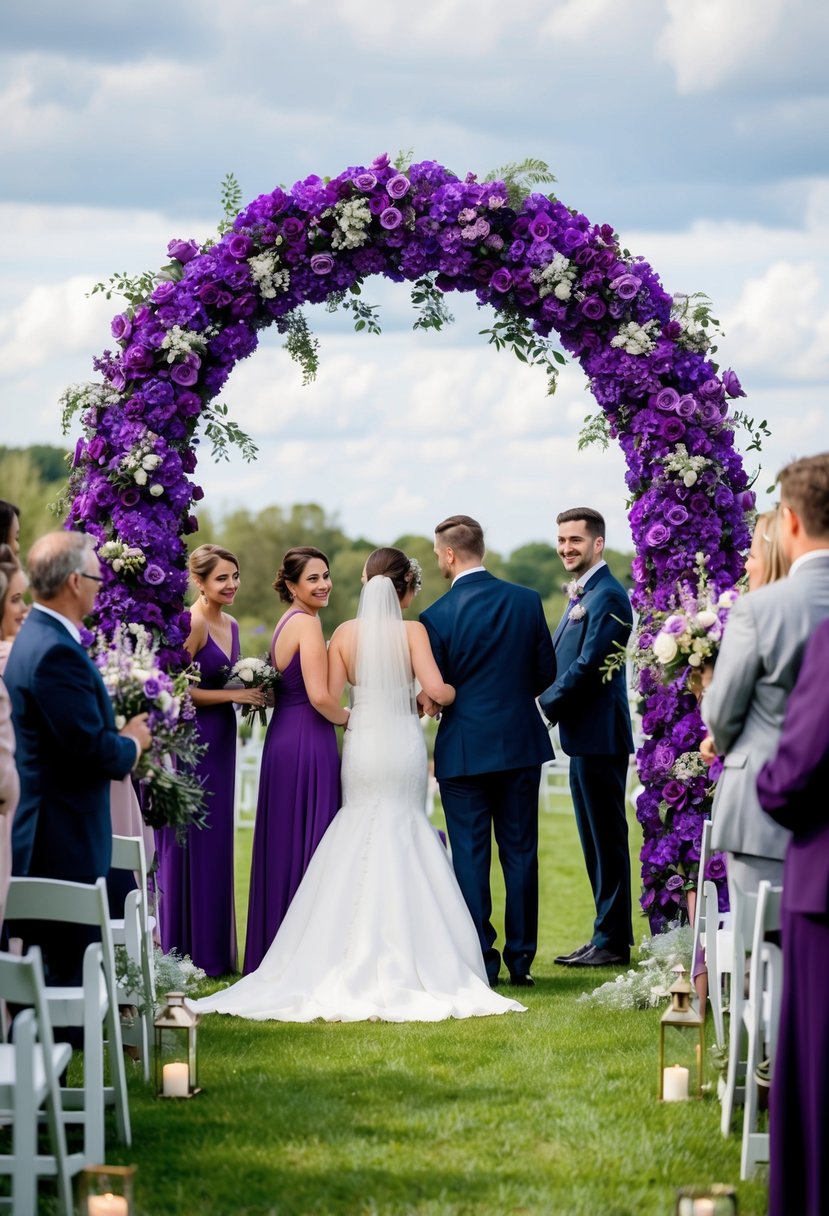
(299, 786)
(195, 880)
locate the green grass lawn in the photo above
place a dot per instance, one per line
(551, 1111)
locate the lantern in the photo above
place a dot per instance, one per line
(107, 1190)
(714, 1200)
(682, 1035)
(175, 1038)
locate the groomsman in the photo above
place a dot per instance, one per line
(593, 718)
(756, 669)
(491, 641)
(68, 748)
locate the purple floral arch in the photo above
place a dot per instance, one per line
(541, 267)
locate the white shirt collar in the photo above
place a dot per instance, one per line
(471, 570)
(807, 557)
(585, 578)
(68, 625)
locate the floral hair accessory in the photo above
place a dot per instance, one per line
(415, 574)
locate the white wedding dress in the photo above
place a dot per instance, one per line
(378, 928)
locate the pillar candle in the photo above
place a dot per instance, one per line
(675, 1083)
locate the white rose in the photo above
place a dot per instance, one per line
(140, 477)
(665, 648)
(706, 618)
(245, 674)
(694, 660)
(120, 721)
(151, 462)
(156, 490)
(689, 478)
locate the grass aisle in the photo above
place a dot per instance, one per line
(551, 1111)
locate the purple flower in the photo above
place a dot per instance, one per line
(238, 245)
(152, 688)
(676, 514)
(731, 383)
(657, 535)
(364, 182)
(593, 308)
(501, 280)
(675, 883)
(391, 218)
(540, 227)
(182, 251)
(666, 400)
(121, 327)
(154, 575)
(626, 286)
(397, 186)
(322, 263)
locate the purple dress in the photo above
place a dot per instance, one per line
(299, 795)
(195, 879)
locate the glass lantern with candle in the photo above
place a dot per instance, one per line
(176, 1049)
(682, 1043)
(107, 1190)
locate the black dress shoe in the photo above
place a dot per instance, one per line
(567, 960)
(600, 956)
(522, 981)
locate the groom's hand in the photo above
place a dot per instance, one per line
(425, 705)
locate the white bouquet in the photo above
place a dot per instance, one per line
(253, 673)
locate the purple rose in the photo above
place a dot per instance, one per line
(657, 535)
(391, 218)
(710, 413)
(154, 575)
(186, 372)
(364, 182)
(672, 429)
(676, 514)
(164, 292)
(96, 448)
(182, 251)
(501, 280)
(292, 228)
(731, 383)
(121, 327)
(666, 400)
(686, 407)
(397, 186)
(715, 870)
(238, 245)
(540, 227)
(593, 307)
(626, 286)
(152, 687)
(675, 793)
(675, 883)
(322, 263)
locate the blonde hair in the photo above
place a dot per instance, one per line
(775, 562)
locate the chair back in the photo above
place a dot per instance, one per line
(72, 902)
(22, 983)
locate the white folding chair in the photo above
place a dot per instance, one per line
(93, 1005)
(761, 1017)
(743, 915)
(30, 1070)
(134, 931)
(712, 933)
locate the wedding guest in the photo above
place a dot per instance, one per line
(9, 793)
(10, 526)
(195, 878)
(299, 786)
(766, 562)
(491, 641)
(758, 663)
(13, 607)
(792, 788)
(68, 747)
(593, 718)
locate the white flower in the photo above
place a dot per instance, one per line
(577, 612)
(245, 674)
(706, 618)
(164, 701)
(665, 648)
(695, 659)
(120, 721)
(140, 477)
(156, 490)
(151, 462)
(689, 479)
(563, 290)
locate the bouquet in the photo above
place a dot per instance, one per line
(172, 796)
(253, 673)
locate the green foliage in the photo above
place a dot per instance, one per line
(365, 315)
(25, 480)
(403, 160)
(520, 176)
(757, 431)
(301, 344)
(231, 199)
(596, 430)
(222, 433)
(514, 331)
(430, 303)
(133, 288)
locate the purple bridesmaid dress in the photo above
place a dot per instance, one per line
(195, 879)
(299, 795)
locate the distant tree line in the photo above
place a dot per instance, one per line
(33, 478)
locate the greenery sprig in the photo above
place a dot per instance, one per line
(516, 332)
(430, 303)
(520, 176)
(223, 433)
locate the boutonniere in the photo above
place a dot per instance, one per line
(573, 590)
(577, 613)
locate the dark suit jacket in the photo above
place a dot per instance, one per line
(593, 716)
(793, 786)
(491, 641)
(68, 751)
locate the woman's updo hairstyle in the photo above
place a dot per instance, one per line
(403, 571)
(293, 564)
(204, 560)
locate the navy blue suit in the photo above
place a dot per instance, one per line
(491, 641)
(593, 718)
(68, 751)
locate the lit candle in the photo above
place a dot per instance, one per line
(107, 1205)
(703, 1207)
(674, 1083)
(176, 1081)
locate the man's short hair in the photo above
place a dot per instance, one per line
(593, 522)
(463, 534)
(804, 486)
(53, 558)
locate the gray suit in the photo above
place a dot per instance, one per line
(743, 709)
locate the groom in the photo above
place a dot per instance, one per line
(492, 643)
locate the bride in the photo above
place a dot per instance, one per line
(378, 928)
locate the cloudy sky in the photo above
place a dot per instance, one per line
(698, 128)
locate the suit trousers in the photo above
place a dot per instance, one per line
(597, 785)
(508, 803)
